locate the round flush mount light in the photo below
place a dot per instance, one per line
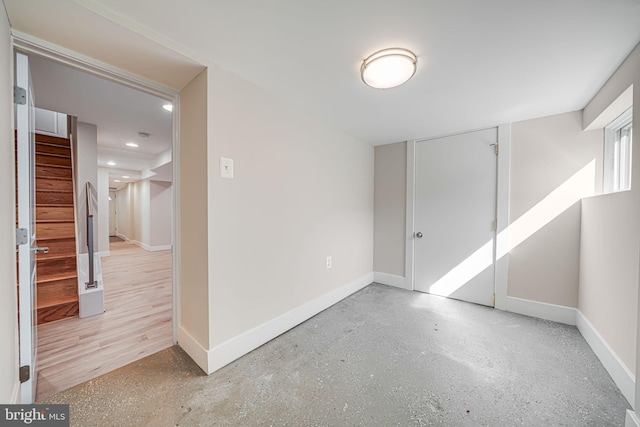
(388, 68)
(168, 107)
(132, 144)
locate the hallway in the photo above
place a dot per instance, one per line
(136, 322)
(382, 356)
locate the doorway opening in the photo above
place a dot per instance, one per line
(123, 142)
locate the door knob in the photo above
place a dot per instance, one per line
(419, 235)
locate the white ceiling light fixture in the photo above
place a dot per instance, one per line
(125, 176)
(168, 107)
(111, 163)
(132, 144)
(388, 68)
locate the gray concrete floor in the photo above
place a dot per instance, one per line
(382, 357)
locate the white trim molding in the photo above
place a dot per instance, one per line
(409, 212)
(621, 375)
(15, 396)
(542, 310)
(632, 419)
(501, 266)
(194, 349)
(390, 280)
(230, 350)
(151, 248)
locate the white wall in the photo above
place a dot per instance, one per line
(611, 239)
(123, 200)
(193, 274)
(389, 208)
(103, 210)
(9, 384)
(86, 170)
(161, 213)
(144, 213)
(554, 163)
(302, 191)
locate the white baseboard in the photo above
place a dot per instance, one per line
(149, 247)
(160, 248)
(556, 313)
(104, 253)
(621, 375)
(238, 346)
(632, 419)
(15, 396)
(389, 280)
(123, 237)
(193, 348)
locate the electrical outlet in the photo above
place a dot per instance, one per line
(329, 262)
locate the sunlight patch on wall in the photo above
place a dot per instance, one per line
(580, 185)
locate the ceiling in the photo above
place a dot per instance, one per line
(480, 63)
(118, 112)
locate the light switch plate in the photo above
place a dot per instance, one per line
(226, 168)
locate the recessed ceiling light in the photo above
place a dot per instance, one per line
(388, 68)
(116, 180)
(125, 176)
(131, 144)
(168, 107)
(111, 163)
(144, 134)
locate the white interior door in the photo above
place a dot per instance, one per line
(24, 116)
(455, 209)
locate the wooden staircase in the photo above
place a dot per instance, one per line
(57, 281)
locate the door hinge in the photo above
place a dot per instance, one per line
(19, 95)
(22, 236)
(497, 147)
(25, 373)
(494, 224)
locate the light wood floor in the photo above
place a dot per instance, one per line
(136, 322)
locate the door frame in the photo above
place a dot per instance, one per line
(501, 259)
(31, 45)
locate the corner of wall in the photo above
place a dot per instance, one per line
(390, 280)
(236, 347)
(194, 349)
(632, 419)
(620, 374)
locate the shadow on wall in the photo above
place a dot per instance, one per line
(578, 186)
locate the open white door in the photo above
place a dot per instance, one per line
(26, 235)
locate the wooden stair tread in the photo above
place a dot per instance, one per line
(60, 156)
(57, 301)
(53, 166)
(53, 191)
(55, 277)
(50, 221)
(49, 239)
(59, 256)
(54, 140)
(55, 178)
(54, 205)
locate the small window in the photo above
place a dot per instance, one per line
(617, 153)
